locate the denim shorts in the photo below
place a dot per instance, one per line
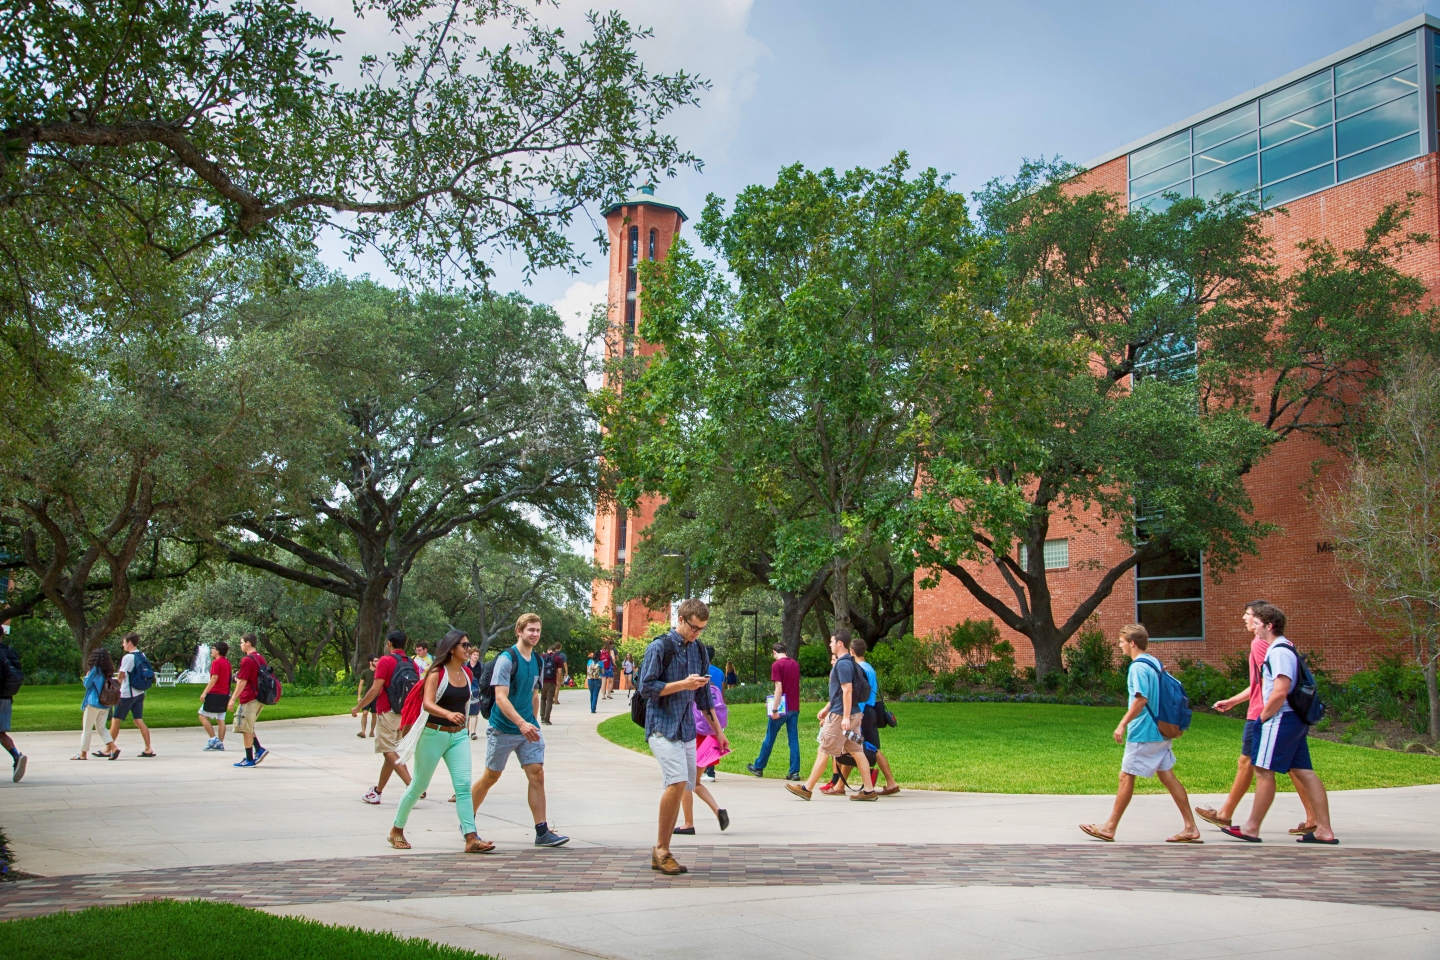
(499, 746)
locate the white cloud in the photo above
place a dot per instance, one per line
(577, 303)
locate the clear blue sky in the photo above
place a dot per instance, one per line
(969, 88)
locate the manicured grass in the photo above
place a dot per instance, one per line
(58, 707)
(198, 930)
(1043, 748)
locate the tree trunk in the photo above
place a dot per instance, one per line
(370, 613)
(840, 592)
(792, 619)
(1432, 691)
(1047, 645)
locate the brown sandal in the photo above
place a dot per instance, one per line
(1211, 815)
(476, 845)
(1303, 829)
(1090, 829)
(399, 843)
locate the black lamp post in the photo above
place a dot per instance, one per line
(755, 654)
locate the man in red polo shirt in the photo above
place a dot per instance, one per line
(387, 715)
(248, 710)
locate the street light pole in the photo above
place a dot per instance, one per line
(755, 652)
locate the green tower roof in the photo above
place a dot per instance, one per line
(645, 194)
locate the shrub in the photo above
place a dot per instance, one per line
(45, 646)
(975, 641)
(1237, 667)
(1203, 683)
(814, 660)
(7, 856)
(1089, 658)
(1000, 672)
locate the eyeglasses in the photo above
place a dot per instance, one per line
(464, 643)
(697, 629)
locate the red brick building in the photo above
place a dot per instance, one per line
(1333, 143)
(640, 228)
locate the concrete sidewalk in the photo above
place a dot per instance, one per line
(188, 807)
(191, 808)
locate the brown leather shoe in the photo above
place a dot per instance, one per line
(799, 789)
(666, 864)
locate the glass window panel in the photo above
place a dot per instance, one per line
(1160, 179)
(1160, 202)
(1169, 565)
(1224, 127)
(1291, 157)
(1159, 155)
(1238, 177)
(1169, 588)
(1382, 156)
(1396, 118)
(1303, 122)
(1179, 620)
(1296, 97)
(1378, 63)
(1287, 190)
(1218, 156)
(1381, 91)
(1057, 554)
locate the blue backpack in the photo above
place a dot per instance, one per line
(1171, 709)
(142, 678)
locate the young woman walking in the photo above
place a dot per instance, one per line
(440, 733)
(473, 664)
(102, 668)
(593, 680)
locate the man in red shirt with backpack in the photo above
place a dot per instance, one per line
(247, 696)
(387, 714)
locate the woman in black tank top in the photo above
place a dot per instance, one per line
(444, 738)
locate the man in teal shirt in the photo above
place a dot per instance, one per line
(1147, 752)
(515, 678)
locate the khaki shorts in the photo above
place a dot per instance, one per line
(246, 715)
(833, 739)
(387, 732)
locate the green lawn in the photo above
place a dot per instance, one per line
(197, 930)
(1044, 748)
(58, 707)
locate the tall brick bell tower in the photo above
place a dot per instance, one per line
(641, 228)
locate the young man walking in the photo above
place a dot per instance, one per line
(1244, 770)
(1147, 752)
(245, 701)
(422, 657)
(841, 720)
(215, 697)
(387, 714)
(675, 676)
(1282, 745)
(784, 712)
(132, 696)
(367, 714)
(10, 680)
(515, 678)
(554, 675)
(870, 727)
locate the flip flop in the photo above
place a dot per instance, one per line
(1235, 832)
(1179, 839)
(399, 843)
(148, 753)
(1303, 829)
(1090, 829)
(1311, 838)
(1210, 815)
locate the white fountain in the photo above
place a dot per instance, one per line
(199, 671)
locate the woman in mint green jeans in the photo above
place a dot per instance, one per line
(446, 694)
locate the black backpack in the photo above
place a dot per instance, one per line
(11, 673)
(402, 681)
(637, 702)
(267, 685)
(860, 686)
(1303, 698)
(486, 687)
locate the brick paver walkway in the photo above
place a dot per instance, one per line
(1409, 879)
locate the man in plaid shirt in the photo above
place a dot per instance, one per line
(674, 675)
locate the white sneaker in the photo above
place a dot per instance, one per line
(220, 745)
(371, 796)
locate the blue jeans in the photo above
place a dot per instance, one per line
(791, 722)
(594, 693)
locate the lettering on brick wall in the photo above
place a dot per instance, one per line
(1324, 546)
